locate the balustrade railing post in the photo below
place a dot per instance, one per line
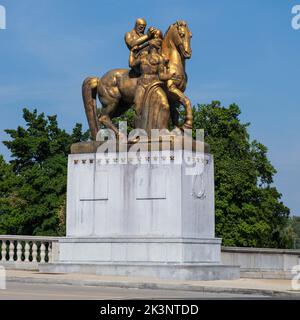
(27, 251)
(50, 252)
(11, 251)
(42, 252)
(3, 251)
(34, 252)
(19, 252)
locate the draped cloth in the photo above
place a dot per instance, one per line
(153, 110)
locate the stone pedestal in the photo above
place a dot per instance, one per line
(152, 216)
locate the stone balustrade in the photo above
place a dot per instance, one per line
(26, 252)
(21, 251)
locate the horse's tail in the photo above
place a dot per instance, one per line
(89, 95)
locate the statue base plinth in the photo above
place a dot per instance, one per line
(150, 214)
(170, 271)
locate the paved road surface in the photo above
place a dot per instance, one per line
(21, 291)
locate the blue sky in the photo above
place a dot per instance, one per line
(243, 51)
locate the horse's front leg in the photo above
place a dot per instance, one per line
(185, 101)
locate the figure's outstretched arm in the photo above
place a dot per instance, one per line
(140, 40)
(131, 42)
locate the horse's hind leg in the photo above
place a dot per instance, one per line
(106, 114)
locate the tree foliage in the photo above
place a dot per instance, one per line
(248, 207)
(296, 226)
(33, 185)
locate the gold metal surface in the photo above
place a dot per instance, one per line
(154, 85)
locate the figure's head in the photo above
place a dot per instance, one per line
(156, 42)
(140, 25)
(158, 34)
(185, 35)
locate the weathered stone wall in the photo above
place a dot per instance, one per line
(262, 263)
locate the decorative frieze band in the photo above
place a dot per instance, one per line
(141, 160)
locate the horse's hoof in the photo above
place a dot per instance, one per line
(187, 126)
(134, 140)
(178, 131)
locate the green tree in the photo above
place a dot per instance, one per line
(248, 207)
(33, 190)
(295, 224)
(10, 202)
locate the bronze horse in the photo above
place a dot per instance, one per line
(116, 89)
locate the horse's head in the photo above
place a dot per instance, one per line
(181, 36)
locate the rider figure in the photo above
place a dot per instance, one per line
(153, 69)
(136, 40)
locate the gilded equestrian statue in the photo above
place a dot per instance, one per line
(116, 89)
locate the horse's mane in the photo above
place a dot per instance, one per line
(168, 29)
(177, 23)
